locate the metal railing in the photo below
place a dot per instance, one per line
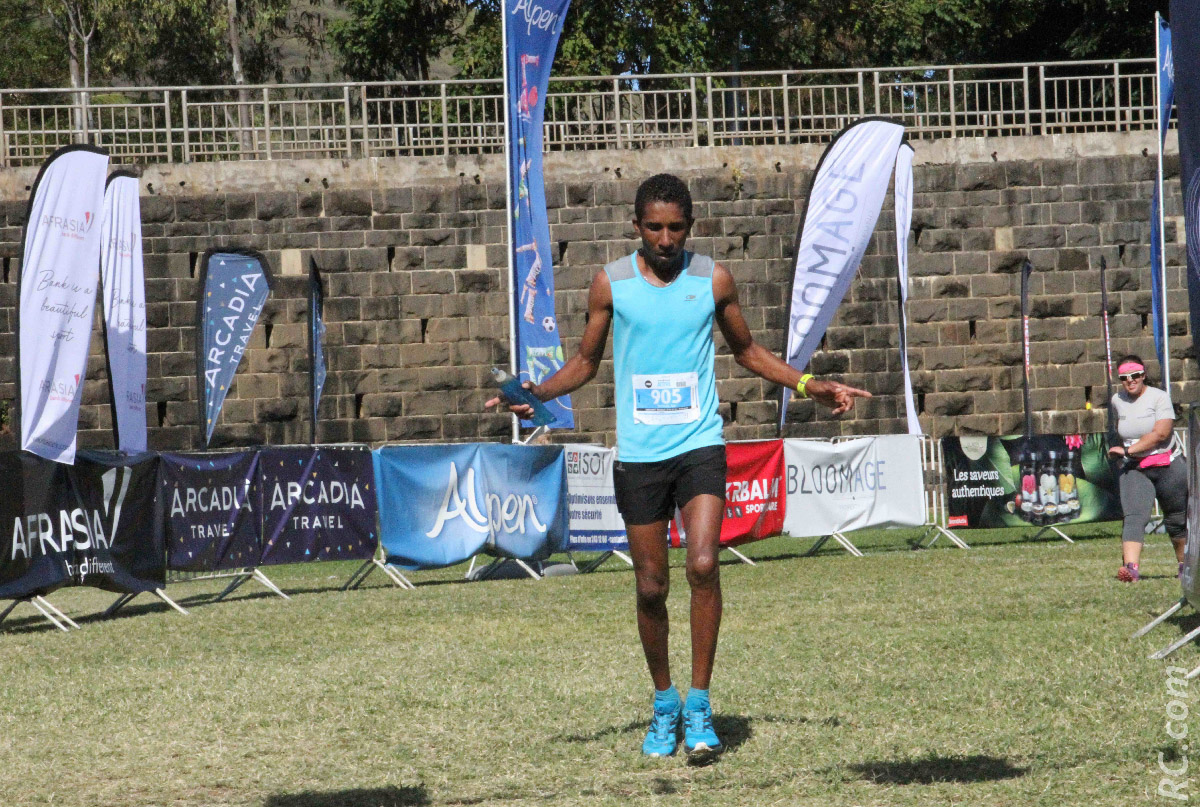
(186, 124)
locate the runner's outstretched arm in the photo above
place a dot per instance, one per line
(762, 362)
(580, 368)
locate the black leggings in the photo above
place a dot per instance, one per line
(1141, 486)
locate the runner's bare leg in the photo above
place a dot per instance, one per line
(648, 549)
(702, 517)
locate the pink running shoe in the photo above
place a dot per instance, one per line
(1128, 573)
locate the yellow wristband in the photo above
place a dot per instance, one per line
(802, 385)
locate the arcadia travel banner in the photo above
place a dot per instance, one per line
(531, 32)
(59, 271)
(1042, 481)
(596, 525)
(123, 280)
(318, 503)
(234, 286)
(209, 506)
(442, 504)
(87, 525)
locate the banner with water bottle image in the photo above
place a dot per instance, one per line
(1041, 481)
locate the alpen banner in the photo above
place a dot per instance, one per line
(318, 503)
(209, 506)
(1185, 43)
(86, 525)
(596, 525)
(755, 504)
(59, 271)
(853, 484)
(234, 286)
(843, 206)
(1041, 481)
(441, 504)
(123, 281)
(531, 32)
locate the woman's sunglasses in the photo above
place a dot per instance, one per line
(1132, 376)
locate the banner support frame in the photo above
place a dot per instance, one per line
(1158, 620)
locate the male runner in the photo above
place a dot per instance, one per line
(670, 448)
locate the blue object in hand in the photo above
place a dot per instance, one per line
(510, 385)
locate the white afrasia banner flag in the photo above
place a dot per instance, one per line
(59, 272)
(123, 280)
(843, 206)
(851, 485)
(904, 204)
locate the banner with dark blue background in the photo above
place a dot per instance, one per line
(234, 285)
(318, 503)
(1185, 47)
(532, 32)
(441, 504)
(209, 508)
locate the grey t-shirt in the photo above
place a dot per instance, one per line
(1137, 416)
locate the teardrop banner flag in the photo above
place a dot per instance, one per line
(843, 206)
(123, 280)
(234, 286)
(531, 33)
(1158, 298)
(1185, 45)
(903, 189)
(316, 342)
(59, 272)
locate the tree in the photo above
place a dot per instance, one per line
(32, 55)
(383, 40)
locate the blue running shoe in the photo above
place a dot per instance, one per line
(699, 739)
(663, 736)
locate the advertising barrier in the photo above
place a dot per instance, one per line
(209, 505)
(852, 485)
(755, 502)
(318, 503)
(1043, 481)
(82, 525)
(442, 504)
(596, 526)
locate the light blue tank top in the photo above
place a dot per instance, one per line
(665, 391)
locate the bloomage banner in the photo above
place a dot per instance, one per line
(851, 485)
(234, 286)
(1043, 481)
(755, 504)
(318, 503)
(123, 279)
(531, 37)
(596, 525)
(59, 270)
(87, 525)
(209, 504)
(441, 504)
(843, 206)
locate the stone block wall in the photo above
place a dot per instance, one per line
(417, 307)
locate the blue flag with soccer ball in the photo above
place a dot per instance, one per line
(532, 30)
(234, 285)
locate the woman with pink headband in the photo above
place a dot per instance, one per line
(1151, 468)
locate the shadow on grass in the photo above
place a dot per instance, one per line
(930, 770)
(372, 797)
(734, 730)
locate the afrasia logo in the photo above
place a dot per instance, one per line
(69, 226)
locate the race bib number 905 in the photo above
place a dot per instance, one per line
(661, 400)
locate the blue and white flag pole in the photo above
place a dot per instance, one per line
(1165, 92)
(529, 41)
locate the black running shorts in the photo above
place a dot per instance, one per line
(648, 492)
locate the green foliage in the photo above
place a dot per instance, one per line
(384, 40)
(33, 55)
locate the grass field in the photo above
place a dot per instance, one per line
(1002, 675)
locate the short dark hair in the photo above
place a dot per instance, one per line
(663, 188)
